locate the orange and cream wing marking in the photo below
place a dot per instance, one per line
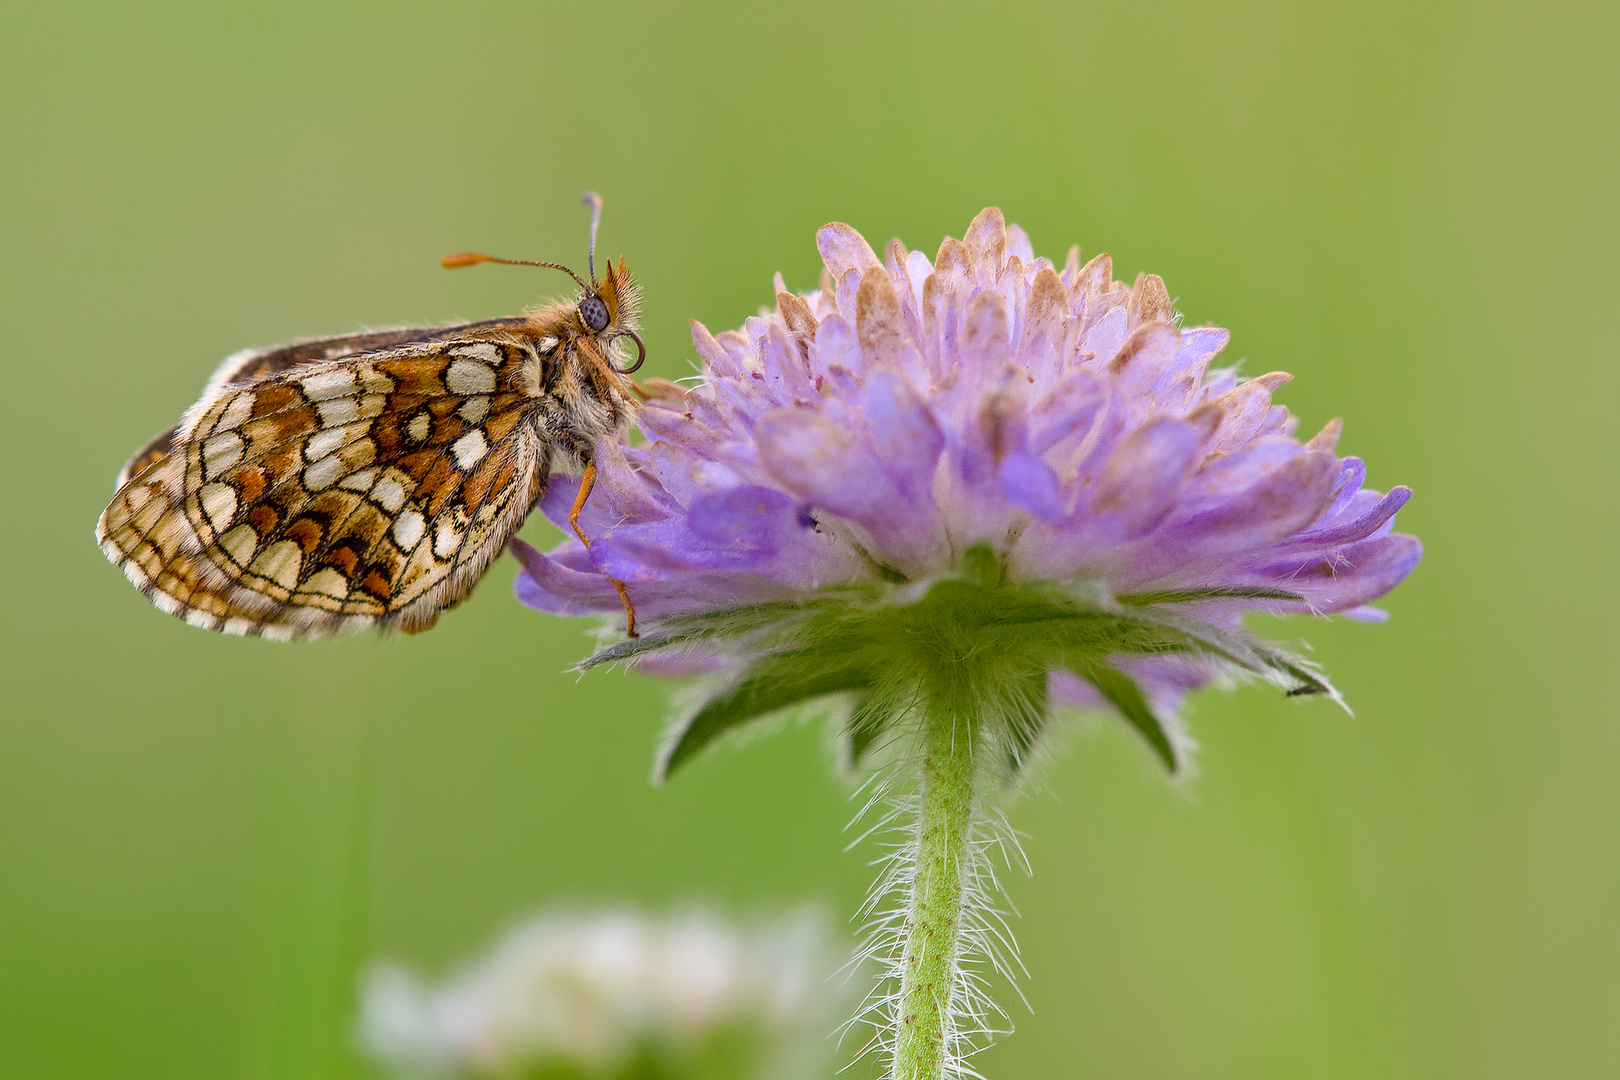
(302, 496)
(254, 365)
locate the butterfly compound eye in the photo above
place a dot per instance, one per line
(593, 311)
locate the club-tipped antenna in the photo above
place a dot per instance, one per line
(473, 258)
(594, 201)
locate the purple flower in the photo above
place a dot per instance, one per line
(950, 494)
(911, 411)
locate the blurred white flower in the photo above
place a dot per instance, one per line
(594, 993)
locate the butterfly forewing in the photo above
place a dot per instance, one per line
(327, 485)
(254, 365)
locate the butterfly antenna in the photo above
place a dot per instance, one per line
(594, 201)
(473, 258)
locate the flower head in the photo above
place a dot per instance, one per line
(982, 416)
(600, 994)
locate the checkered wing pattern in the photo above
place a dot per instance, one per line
(306, 495)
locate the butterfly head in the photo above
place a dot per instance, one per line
(607, 310)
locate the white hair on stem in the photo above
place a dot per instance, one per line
(890, 809)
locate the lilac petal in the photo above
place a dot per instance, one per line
(994, 425)
(558, 500)
(1030, 484)
(740, 403)
(912, 369)
(878, 321)
(841, 384)
(1245, 408)
(1219, 382)
(555, 584)
(1113, 423)
(844, 250)
(986, 241)
(900, 278)
(1328, 437)
(904, 432)
(1362, 525)
(1352, 474)
(1130, 480)
(1046, 314)
(742, 529)
(938, 319)
(813, 457)
(696, 402)
(662, 423)
(1284, 501)
(953, 268)
(796, 316)
(830, 468)
(1198, 347)
(622, 492)
(739, 347)
(1226, 475)
(1042, 360)
(1097, 274)
(917, 269)
(742, 516)
(849, 287)
(716, 360)
(1103, 340)
(1150, 301)
(1144, 475)
(686, 476)
(548, 585)
(1205, 546)
(1010, 280)
(1278, 421)
(1145, 355)
(986, 337)
(1351, 576)
(836, 346)
(895, 257)
(785, 374)
(1071, 266)
(1066, 413)
(880, 479)
(1018, 245)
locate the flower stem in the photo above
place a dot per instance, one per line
(932, 932)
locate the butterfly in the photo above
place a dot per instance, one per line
(370, 479)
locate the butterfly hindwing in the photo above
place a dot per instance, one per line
(303, 495)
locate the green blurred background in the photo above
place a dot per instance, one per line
(1411, 207)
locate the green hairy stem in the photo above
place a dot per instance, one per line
(932, 931)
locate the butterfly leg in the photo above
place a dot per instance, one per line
(585, 485)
